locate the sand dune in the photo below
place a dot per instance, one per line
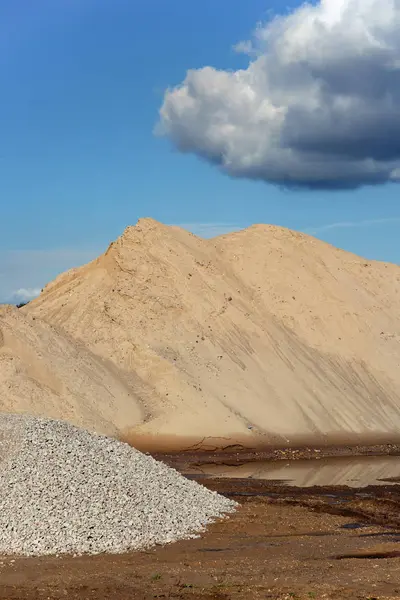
(256, 337)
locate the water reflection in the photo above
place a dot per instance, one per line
(353, 471)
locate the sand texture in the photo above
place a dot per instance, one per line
(44, 373)
(257, 337)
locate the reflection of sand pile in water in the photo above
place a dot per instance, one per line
(264, 335)
(352, 471)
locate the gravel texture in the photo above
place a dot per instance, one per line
(65, 490)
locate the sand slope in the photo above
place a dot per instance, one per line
(261, 335)
(45, 373)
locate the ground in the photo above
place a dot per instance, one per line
(281, 543)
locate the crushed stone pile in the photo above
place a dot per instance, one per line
(66, 490)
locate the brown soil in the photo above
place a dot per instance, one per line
(282, 543)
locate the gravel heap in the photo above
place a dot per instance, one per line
(65, 490)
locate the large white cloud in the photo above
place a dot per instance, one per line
(317, 106)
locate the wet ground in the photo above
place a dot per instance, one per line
(283, 542)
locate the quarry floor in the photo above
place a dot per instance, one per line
(283, 542)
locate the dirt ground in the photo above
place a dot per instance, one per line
(282, 543)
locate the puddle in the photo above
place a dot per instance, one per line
(350, 471)
(354, 525)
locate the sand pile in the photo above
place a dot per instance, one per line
(261, 336)
(65, 490)
(45, 372)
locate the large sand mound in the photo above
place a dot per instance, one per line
(254, 337)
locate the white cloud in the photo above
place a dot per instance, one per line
(317, 106)
(351, 224)
(24, 272)
(245, 47)
(24, 295)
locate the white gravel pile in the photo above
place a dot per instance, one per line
(65, 490)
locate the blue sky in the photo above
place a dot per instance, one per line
(81, 86)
